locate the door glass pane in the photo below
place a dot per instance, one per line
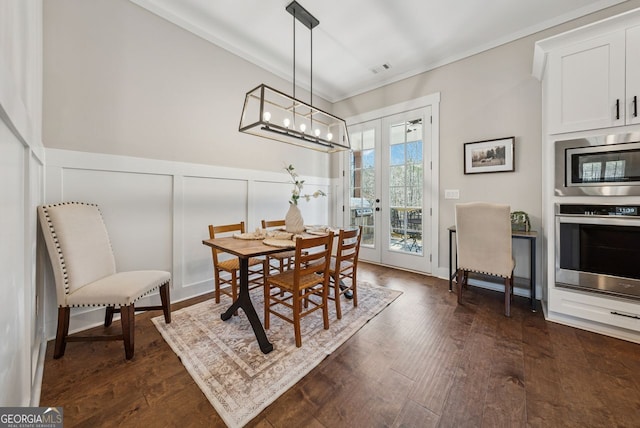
(406, 177)
(363, 184)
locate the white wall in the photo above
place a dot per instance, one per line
(21, 155)
(157, 213)
(121, 80)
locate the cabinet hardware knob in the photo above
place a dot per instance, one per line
(635, 106)
(618, 109)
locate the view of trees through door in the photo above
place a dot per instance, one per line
(387, 178)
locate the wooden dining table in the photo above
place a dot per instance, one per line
(245, 249)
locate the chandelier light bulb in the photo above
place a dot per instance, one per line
(303, 127)
(266, 116)
(317, 132)
(329, 136)
(286, 122)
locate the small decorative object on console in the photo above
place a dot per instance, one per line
(520, 221)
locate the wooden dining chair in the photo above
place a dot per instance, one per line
(85, 275)
(283, 260)
(224, 263)
(343, 268)
(300, 291)
(483, 239)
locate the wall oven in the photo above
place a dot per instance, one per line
(597, 248)
(598, 166)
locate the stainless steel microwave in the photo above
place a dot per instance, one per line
(600, 166)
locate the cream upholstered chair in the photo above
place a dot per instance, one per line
(344, 267)
(483, 238)
(293, 289)
(85, 273)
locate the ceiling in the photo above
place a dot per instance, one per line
(357, 40)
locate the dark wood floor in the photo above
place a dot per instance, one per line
(424, 361)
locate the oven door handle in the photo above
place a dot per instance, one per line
(602, 220)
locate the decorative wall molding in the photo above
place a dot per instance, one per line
(157, 213)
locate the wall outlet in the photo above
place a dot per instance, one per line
(452, 194)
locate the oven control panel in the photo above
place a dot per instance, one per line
(599, 210)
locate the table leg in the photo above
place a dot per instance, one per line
(533, 274)
(244, 302)
(450, 262)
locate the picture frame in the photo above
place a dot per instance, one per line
(495, 155)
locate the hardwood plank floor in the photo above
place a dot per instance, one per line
(423, 362)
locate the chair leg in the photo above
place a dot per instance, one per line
(507, 297)
(337, 295)
(354, 289)
(459, 280)
(166, 302)
(216, 280)
(325, 303)
(267, 304)
(108, 316)
(127, 318)
(63, 331)
(296, 317)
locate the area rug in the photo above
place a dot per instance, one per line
(224, 358)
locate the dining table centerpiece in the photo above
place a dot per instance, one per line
(293, 221)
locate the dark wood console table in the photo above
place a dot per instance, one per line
(531, 236)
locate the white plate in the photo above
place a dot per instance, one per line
(281, 243)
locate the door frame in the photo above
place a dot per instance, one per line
(433, 101)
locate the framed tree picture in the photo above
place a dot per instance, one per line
(489, 156)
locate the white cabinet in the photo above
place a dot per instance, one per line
(586, 84)
(579, 309)
(590, 84)
(633, 75)
(595, 83)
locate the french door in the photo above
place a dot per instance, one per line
(390, 190)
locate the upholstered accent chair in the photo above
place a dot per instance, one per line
(343, 268)
(483, 234)
(85, 273)
(231, 265)
(300, 291)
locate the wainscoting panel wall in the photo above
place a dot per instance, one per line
(136, 208)
(157, 213)
(13, 317)
(207, 201)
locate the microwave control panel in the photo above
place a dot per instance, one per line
(599, 210)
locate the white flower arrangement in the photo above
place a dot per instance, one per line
(298, 184)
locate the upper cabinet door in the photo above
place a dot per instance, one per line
(587, 84)
(633, 75)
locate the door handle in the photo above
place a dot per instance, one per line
(635, 106)
(618, 109)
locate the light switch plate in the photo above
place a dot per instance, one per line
(452, 194)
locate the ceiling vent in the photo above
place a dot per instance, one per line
(381, 68)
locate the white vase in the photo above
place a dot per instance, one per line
(293, 221)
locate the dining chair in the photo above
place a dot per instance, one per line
(483, 238)
(231, 264)
(343, 267)
(85, 275)
(283, 260)
(300, 291)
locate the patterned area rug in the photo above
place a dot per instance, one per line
(224, 358)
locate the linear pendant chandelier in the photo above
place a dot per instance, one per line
(272, 114)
